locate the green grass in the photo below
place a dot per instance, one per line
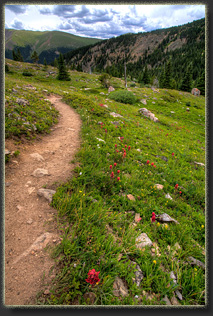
(94, 208)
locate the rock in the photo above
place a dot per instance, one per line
(167, 196)
(199, 164)
(46, 193)
(165, 218)
(138, 273)
(195, 92)
(14, 90)
(7, 152)
(22, 101)
(37, 157)
(179, 295)
(115, 114)
(110, 89)
(155, 250)
(40, 172)
(119, 288)
(143, 240)
(159, 186)
(137, 217)
(46, 292)
(29, 222)
(7, 184)
(196, 262)
(165, 299)
(89, 298)
(143, 101)
(162, 157)
(172, 112)
(30, 190)
(130, 197)
(115, 122)
(174, 301)
(173, 277)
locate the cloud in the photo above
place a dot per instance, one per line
(70, 11)
(17, 24)
(129, 21)
(96, 19)
(45, 11)
(17, 9)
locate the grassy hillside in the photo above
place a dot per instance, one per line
(43, 41)
(115, 189)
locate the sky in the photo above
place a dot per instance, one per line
(100, 20)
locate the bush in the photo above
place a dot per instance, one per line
(123, 96)
(27, 74)
(105, 80)
(7, 68)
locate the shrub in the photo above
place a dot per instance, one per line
(7, 68)
(27, 74)
(123, 96)
(105, 80)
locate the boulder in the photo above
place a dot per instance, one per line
(110, 89)
(40, 172)
(143, 240)
(195, 92)
(46, 193)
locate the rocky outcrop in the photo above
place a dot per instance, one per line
(148, 114)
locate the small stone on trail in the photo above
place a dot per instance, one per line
(37, 156)
(29, 222)
(40, 172)
(46, 193)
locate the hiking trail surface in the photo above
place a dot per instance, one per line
(30, 221)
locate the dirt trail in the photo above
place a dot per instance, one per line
(30, 223)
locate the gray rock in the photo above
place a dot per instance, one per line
(179, 295)
(22, 101)
(196, 262)
(174, 301)
(37, 156)
(39, 172)
(115, 114)
(143, 240)
(165, 299)
(119, 288)
(138, 273)
(165, 218)
(167, 196)
(143, 101)
(46, 193)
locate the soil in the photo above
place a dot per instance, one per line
(31, 229)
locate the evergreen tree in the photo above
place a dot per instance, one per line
(35, 57)
(55, 62)
(146, 77)
(201, 83)
(167, 79)
(186, 84)
(45, 64)
(14, 55)
(7, 68)
(62, 72)
(19, 55)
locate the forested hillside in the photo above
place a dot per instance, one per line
(168, 58)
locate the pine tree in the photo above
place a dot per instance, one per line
(62, 72)
(14, 55)
(186, 84)
(55, 62)
(201, 83)
(19, 55)
(35, 57)
(45, 64)
(167, 79)
(146, 77)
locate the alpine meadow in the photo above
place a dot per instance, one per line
(131, 215)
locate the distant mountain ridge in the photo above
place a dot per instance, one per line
(183, 45)
(47, 44)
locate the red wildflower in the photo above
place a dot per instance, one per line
(93, 277)
(101, 104)
(167, 134)
(110, 166)
(125, 146)
(138, 219)
(105, 130)
(116, 145)
(172, 154)
(112, 174)
(121, 137)
(115, 164)
(117, 151)
(147, 162)
(124, 155)
(129, 148)
(152, 163)
(176, 186)
(92, 109)
(154, 166)
(153, 217)
(118, 171)
(118, 178)
(180, 192)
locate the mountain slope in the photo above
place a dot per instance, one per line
(184, 45)
(44, 43)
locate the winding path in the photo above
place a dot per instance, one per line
(30, 222)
